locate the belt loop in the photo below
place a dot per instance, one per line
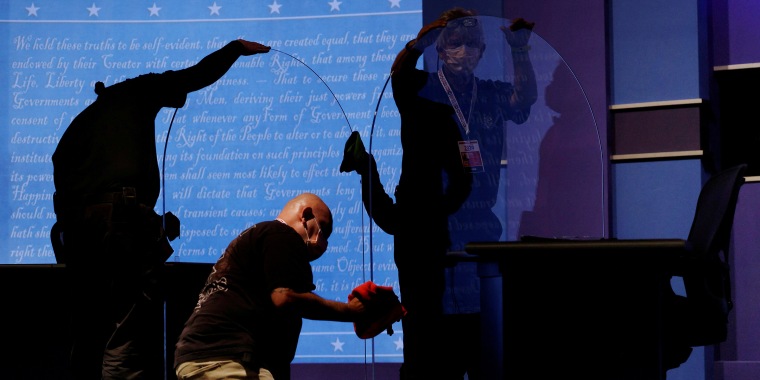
(129, 196)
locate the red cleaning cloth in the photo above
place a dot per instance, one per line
(382, 306)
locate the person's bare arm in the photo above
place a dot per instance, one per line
(213, 66)
(408, 56)
(526, 91)
(312, 306)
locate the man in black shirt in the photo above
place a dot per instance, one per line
(107, 233)
(249, 313)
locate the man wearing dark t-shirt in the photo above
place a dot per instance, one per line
(107, 233)
(248, 316)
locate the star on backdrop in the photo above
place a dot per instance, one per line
(154, 10)
(93, 10)
(32, 10)
(335, 5)
(274, 7)
(214, 9)
(338, 345)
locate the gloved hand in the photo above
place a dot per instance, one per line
(518, 33)
(171, 226)
(355, 157)
(382, 309)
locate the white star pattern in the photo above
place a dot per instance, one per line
(214, 9)
(399, 344)
(32, 10)
(93, 10)
(154, 10)
(338, 345)
(275, 8)
(335, 5)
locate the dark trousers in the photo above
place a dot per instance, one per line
(462, 353)
(422, 283)
(117, 309)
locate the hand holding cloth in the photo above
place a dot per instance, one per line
(382, 306)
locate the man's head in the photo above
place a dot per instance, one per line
(311, 217)
(461, 43)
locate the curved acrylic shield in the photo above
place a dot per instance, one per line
(235, 162)
(506, 168)
(535, 170)
(280, 131)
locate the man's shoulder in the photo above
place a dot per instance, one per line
(262, 229)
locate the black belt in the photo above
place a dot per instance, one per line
(127, 196)
(69, 210)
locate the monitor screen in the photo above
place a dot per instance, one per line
(273, 126)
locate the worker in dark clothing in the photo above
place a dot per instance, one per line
(107, 233)
(249, 314)
(452, 134)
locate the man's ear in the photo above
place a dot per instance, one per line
(307, 214)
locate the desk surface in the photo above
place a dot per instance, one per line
(496, 247)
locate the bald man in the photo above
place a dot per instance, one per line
(249, 314)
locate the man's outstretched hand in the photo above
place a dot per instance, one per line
(518, 33)
(381, 309)
(252, 48)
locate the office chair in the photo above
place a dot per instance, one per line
(701, 317)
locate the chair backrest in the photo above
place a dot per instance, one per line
(706, 275)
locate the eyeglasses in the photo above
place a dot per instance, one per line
(317, 246)
(462, 21)
(319, 231)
